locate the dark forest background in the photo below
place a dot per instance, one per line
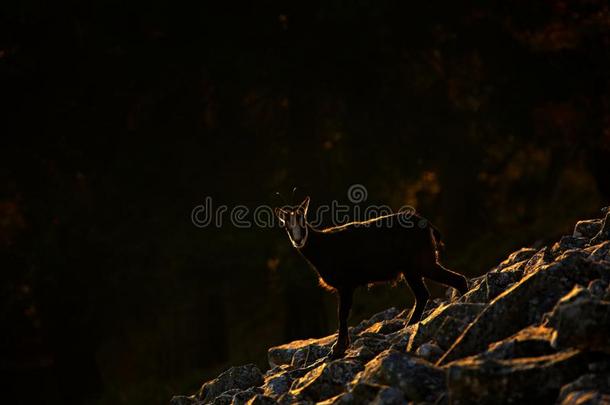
(490, 117)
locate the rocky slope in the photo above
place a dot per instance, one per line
(534, 328)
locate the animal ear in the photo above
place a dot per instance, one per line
(304, 205)
(281, 214)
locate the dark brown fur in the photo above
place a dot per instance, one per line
(375, 251)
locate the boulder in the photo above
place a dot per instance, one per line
(533, 341)
(498, 281)
(368, 394)
(567, 243)
(386, 315)
(367, 346)
(235, 378)
(586, 398)
(277, 384)
(526, 380)
(325, 381)
(485, 288)
(520, 255)
(477, 292)
(587, 228)
(416, 378)
(600, 251)
(586, 389)
(387, 327)
(244, 397)
(581, 320)
(543, 256)
(523, 304)
(314, 348)
(444, 324)
(604, 232)
(226, 398)
(399, 339)
(429, 351)
(261, 400)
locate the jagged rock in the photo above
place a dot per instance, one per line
(438, 328)
(533, 341)
(240, 378)
(575, 294)
(604, 232)
(527, 380)
(243, 397)
(316, 348)
(568, 243)
(543, 256)
(388, 396)
(586, 398)
(587, 389)
(234, 397)
(386, 315)
(418, 379)
(449, 330)
(431, 306)
(587, 228)
(582, 321)
(370, 335)
(599, 252)
(367, 346)
(485, 288)
(261, 400)
(279, 380)
(226, 398)
(477, 295)
(308, 355)
(387, 327)
(277, 384)
(399, 339)
(498, 281)
(477, 292)
(524, 303)
(516, 257)
(572, 254)
(325, 381)
(530, 327)
(368, 394)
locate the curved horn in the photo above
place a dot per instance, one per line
(294, 190)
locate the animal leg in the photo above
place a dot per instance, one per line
(445, 276)
(344, 304)
(417, 286)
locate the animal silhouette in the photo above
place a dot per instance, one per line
(348, 256)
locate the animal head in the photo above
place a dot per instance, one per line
(294, 220)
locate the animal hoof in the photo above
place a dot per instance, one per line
(336, 355)
(336, 352)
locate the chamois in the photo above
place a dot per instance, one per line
(348, 256)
